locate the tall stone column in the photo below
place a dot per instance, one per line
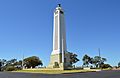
(58, 55)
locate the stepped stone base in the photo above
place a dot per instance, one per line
(56, 62)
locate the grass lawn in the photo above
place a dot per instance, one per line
(55, 71)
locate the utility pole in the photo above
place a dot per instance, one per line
(99, 52)
(99, 57)
(23, 62)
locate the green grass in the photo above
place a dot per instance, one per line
(55, 71)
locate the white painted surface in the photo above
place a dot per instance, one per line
(59, 33)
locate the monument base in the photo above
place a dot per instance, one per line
(56, 62)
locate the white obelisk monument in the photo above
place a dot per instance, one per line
(59, 57)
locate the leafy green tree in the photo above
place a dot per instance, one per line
(2, 64)
(18, 62)
(93, 62)
(97, 61)
(86, 60)
(11, 62)
(32, 61)
(10, 65)
(103, 60)
(73, 58)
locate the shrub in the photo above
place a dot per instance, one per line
(106, 66)
(10, 68)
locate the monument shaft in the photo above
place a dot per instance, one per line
(59, 38)
(59, 57)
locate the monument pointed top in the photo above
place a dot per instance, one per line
(59, 5)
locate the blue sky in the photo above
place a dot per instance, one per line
(26, 28)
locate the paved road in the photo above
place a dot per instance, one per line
(101, 74)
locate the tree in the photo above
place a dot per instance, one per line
(18, 64)
(97, 61)
(93, 62)
(11, 62)
(103, 60)
(32, 61)
(73, 58)
(119, 64)
(86, 60)
(2, 64)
